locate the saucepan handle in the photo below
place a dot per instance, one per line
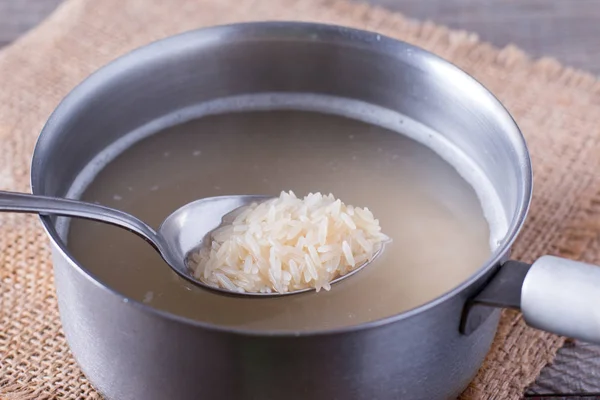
(554, 294)
(563, 296)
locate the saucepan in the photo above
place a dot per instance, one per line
(130, 350)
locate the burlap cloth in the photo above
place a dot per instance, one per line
(557, 108)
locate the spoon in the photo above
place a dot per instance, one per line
(179, 234)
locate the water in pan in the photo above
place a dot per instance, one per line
(433, 215)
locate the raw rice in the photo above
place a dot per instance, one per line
(287, 244)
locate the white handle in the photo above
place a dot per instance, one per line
(563, 297)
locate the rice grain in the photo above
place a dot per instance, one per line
(287, 244)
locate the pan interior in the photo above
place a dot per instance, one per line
(438, 207)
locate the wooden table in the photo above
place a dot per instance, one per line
(565, 29)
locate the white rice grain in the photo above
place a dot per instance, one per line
(287, 244)
(348, 253)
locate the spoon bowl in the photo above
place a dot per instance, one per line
(189, 226)
(181, 232)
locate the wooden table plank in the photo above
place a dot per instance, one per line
(575, 370)
(18, 16)
(563, 29)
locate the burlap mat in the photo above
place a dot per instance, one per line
(557, 108)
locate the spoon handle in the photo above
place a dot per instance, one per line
(29, 203)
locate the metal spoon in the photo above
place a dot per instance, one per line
(179, 234)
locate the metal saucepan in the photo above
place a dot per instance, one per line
(131, 351)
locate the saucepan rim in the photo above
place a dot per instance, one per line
(298, 31)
